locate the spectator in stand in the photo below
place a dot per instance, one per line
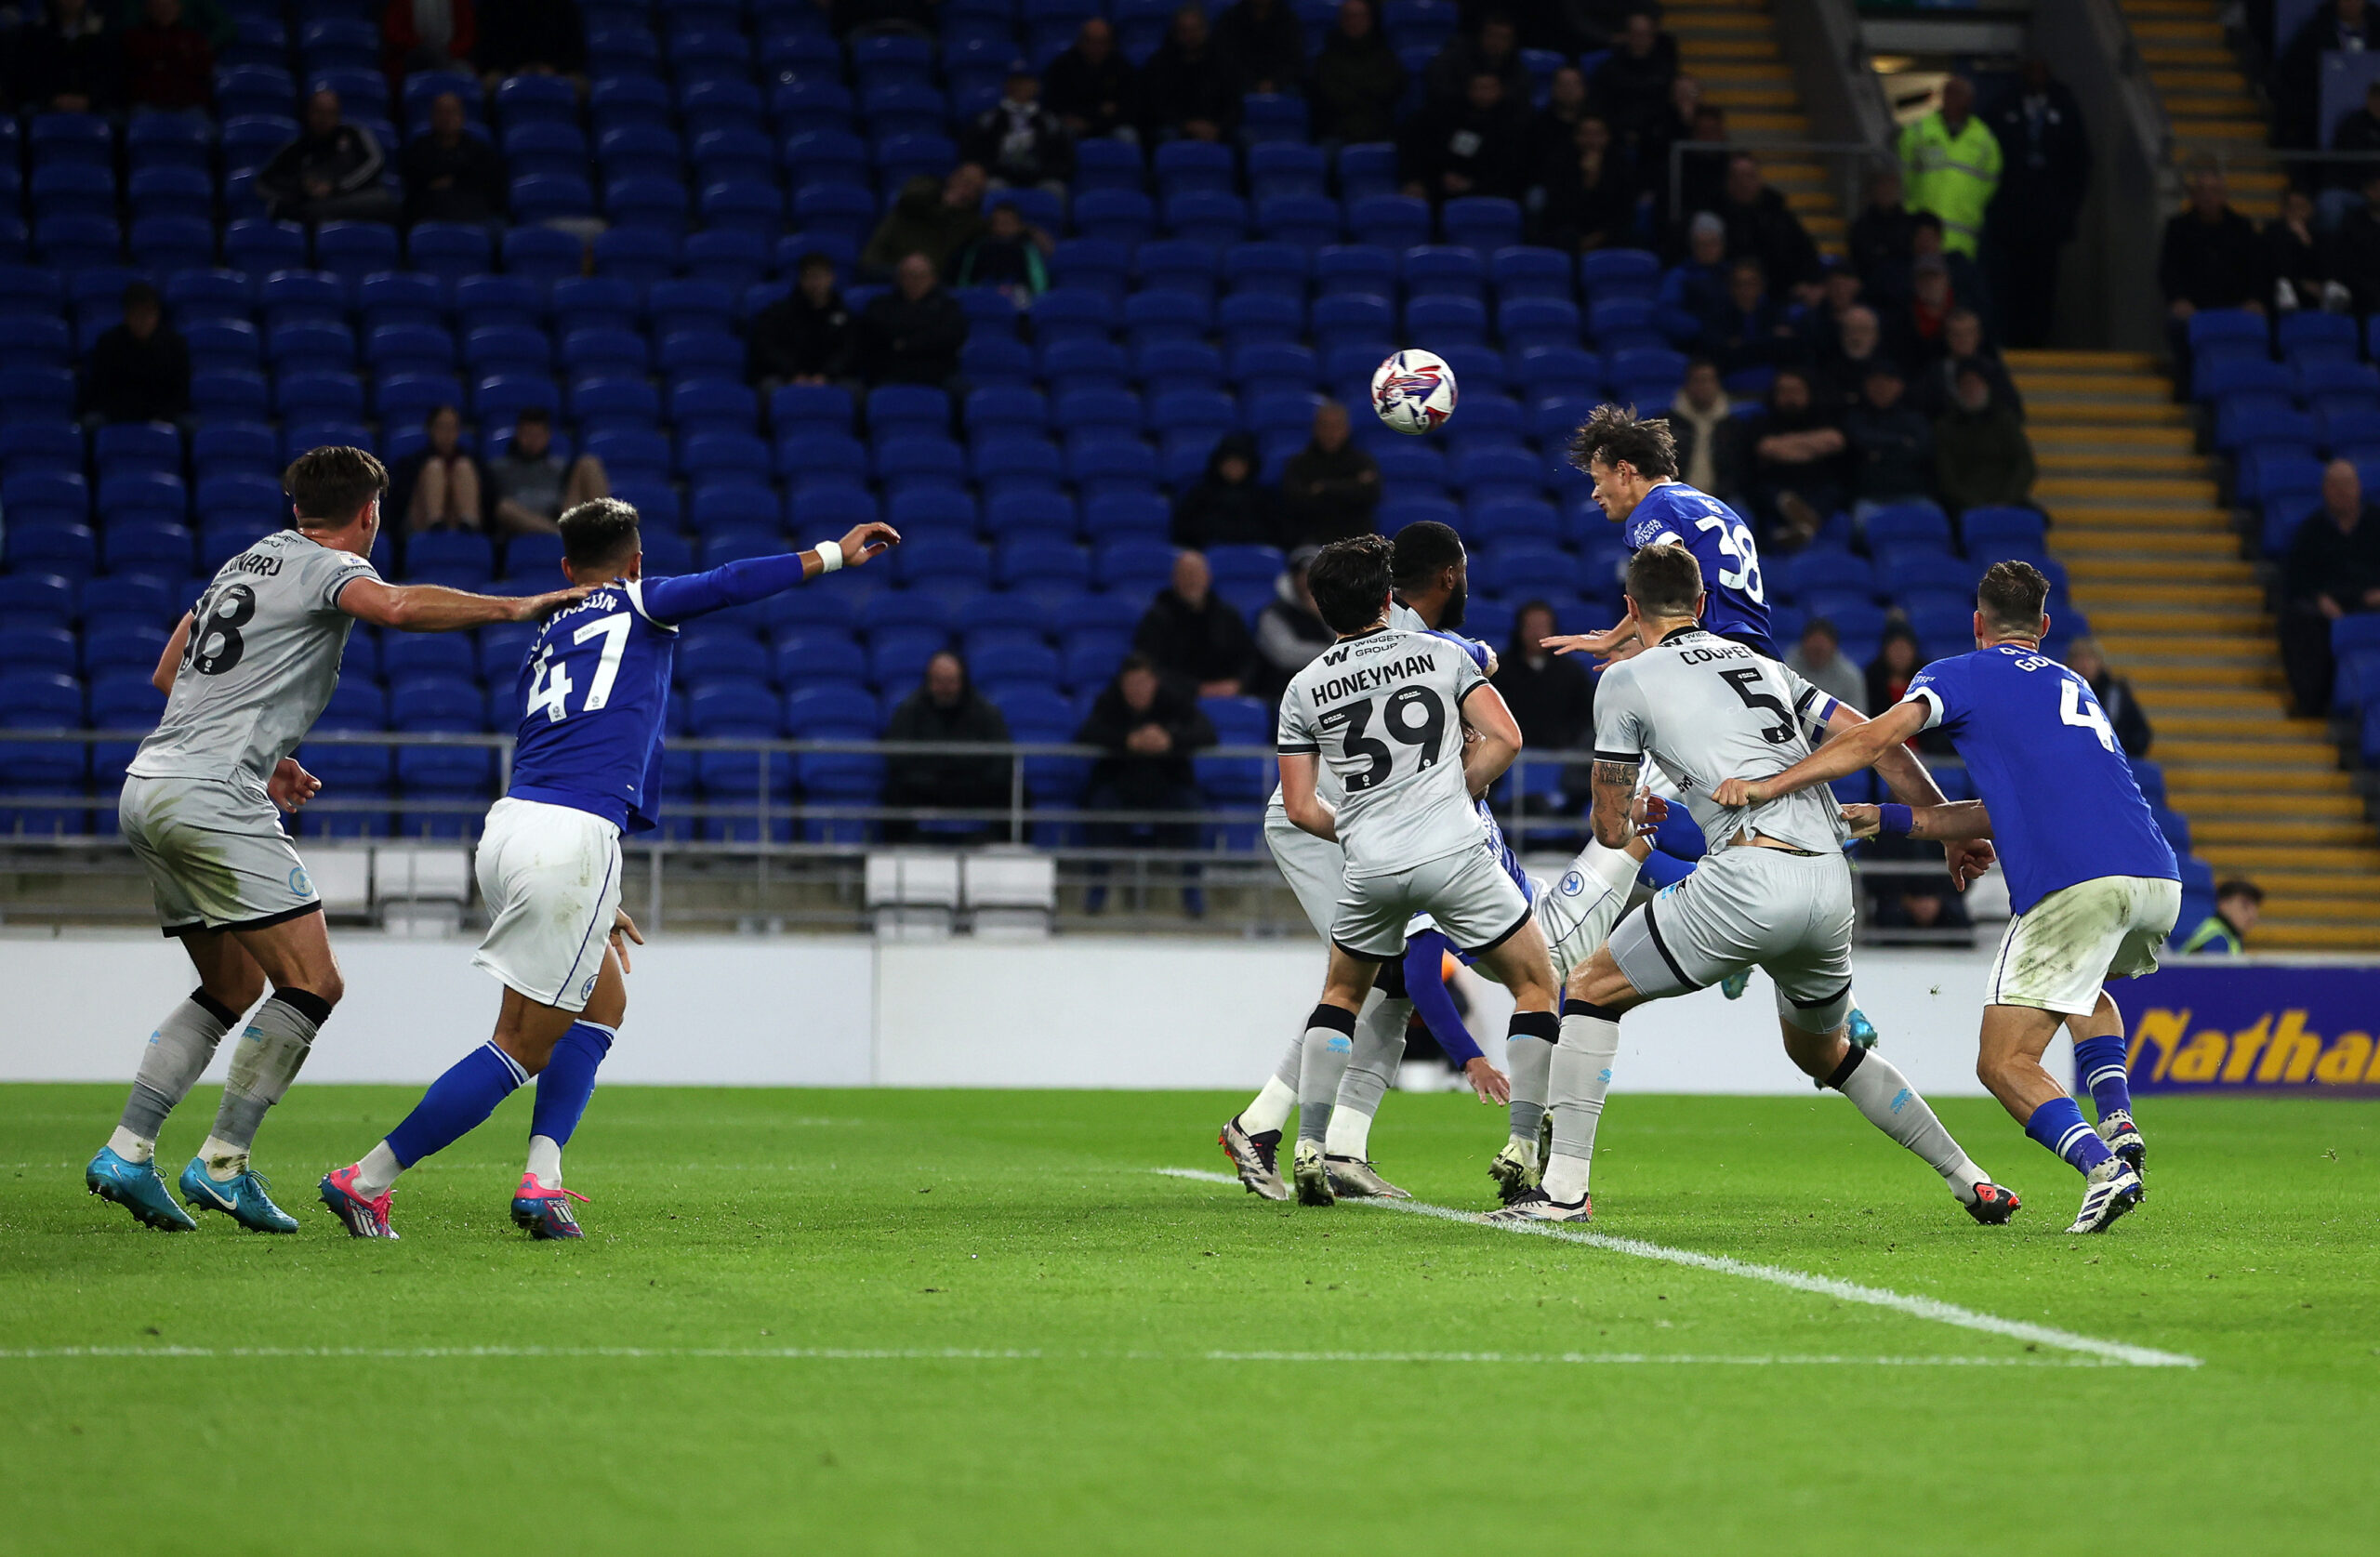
(1951, 163)
(2238, 903)
(1882, 239)
(1554, 129)
(1927, 240)
(1898, 661)
(1859, 349)
(1981, 456)
(1188, 91)
(428, 35)
(2301, 260)
(1357, 80)
(330, 173)
(1228, 506)
(1702, 423)
(2355, 250)
(1892, 446)
(1330, 486)
(169, 64)
(68, 61)
(1479, 146)
(1702, 174)
(2115, 695)
(450, 174)
(2047, 155)
(1839, 293)
(912, 333)
(946, 709)
(2210, 259)
(1012, 255)
(935, 217)
(1918, 902)
(1631, 86)
(1751, 330)
(1930, 303)
(1019, 143)
(1148, 731)
(1264, 43)
(1494, 49)
(806, 336)
(139, 370)
(533, 486)
(1552, 696)
(1796, 472)
(1937, 382)
(1193, 636)
(531, 37)
(2346, 26)
(2357, 130)
(440, 485)
(2332, 570)
(1761, 226)
(1818, 659)
(1697, 286)
(1290, 630)
(1091, 86)
(1590, 204)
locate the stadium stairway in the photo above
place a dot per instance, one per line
(2207, 96)
(1731, 47)
(2153, 562)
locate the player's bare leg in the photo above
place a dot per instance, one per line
(1330, 1040)
(1884, 1098)
(2009, 1064)
(2102, 1060)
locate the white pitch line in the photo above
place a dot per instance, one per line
(1827, 1287)
(839, 1354)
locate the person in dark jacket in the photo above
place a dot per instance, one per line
(2356, 131)
(68, 61)
(2302, 259)
(531, 37)
(2332, 570)
(1479, 146)
(1898, 659)
(1494, 49)
(1631, 86)
(1552, 696)
(1981, 456)
(2210, 259)
(1882, 237)
(1148, 731)
(2116, 700)
(1332, 486)
(1796, 459)
(1760, 225)
(1228, 506)
(1554, 129)
(1193, 636)
(2355, 249)
(330, 173)
(1012, 255)
(169, 64)
(138, 371)
(912, 333)
(1019, 141)
(806, 336)
(450, 174)
(1590, 204)
(1752, 329)
(2296, 80)
(2045, 168)
(946, 708)
(1933, 388)
(1890, 443)
(937, 218)
(1263, 42)
(1357, 79)
(1090, 87)
(1188, 89)
(1290, 630)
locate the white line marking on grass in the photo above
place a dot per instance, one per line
(1827, 1287)
(865, 1354)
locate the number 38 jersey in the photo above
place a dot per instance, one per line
(595, 698)
(1721, 542)
(262, 662)
(1384, 711)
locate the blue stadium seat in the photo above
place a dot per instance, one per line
(1367, 169)
(1393, 221)
(401, 297)
(1115, 216)
(1206, 217)
(540, 253)
(1909, 524)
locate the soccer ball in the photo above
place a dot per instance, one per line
(1414, 391)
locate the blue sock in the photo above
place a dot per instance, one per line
(457, 1104)
(568, 1081)
(2101, 1062)
(2058, 1125)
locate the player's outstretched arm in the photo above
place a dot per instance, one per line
(1965, 855)
(1304, 807)
(1847, 753)
(1952, 822)
(1486, 715)
(1615, 802)
(752, 578)
(1611, 644)
(170, 661)
(435, 608)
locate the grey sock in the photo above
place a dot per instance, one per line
(1531, 1062)
(176, 1056)
(1328, 1045)
(1579, 1078)
(266, 1062)
(1380, 1048)
(1891, 1105)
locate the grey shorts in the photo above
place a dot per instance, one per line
(1476, 906)
(215, 852)
(1315, 868)
(1789, 915)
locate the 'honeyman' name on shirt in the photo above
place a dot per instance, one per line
(1372, 676)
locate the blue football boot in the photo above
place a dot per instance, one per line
(245, 1199)
(1734, 984)
(545, 1213)
(136, 1187)
(1859, 1031)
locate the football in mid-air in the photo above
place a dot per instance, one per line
(1414, 391)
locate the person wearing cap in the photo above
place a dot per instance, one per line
(1290, 630)
(1892, 445)
(1950, 165)
(1019, 143)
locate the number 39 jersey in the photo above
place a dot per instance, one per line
(1721, 542)
(1384, 711)
(595, 698)
(262, 662)
(1705, 709)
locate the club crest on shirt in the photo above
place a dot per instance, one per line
(1573, 884)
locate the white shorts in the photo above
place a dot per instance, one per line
(215, 852)
(1577, 912)
(2057, 954)
(1316, 868)
(1477, 904)
(552, 878)
(1788, 914)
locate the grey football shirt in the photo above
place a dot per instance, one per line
(1384, 712)
(1705, 709)
(265, 641)
(1326, 780)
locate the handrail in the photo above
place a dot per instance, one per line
(1678, 148)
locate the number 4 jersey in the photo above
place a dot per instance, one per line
(1384, 711)
(1721, 542)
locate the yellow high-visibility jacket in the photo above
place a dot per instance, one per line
(1952, 176)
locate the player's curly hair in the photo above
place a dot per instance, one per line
(1615, 435)
(2012, 595)
(600, 531)
(1350, 580)
(1665, 581)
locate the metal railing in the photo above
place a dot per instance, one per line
(1857, 157)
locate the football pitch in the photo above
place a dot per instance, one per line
(984, 1322)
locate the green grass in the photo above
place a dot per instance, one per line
(911, 1223)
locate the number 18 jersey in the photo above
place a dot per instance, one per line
(1384, 711)
(1721, 542)
(595, 695)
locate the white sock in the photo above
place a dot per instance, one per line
(1891, 1105)
(131, 1147)
(1577, 1084)
(1349, 1133)
(224, 1161)
(544, 1161)
(1271, 1109)
(376, 1172)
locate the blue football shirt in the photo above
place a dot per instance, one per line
(1721, 542)
(594, 693)
(2065, 807)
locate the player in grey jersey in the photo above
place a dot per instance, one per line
(1387, 711)
(1774, 893)
(246, 674)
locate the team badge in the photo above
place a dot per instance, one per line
(1573, 884)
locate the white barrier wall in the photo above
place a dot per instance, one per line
(802, 1011)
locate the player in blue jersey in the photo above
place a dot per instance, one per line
(594, 691)
(2091, 878)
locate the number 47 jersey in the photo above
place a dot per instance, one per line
(595, 695)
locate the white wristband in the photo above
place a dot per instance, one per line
(829, 555)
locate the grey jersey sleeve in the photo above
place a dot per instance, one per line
(1620, 725)
(327, 575)
(1295, 735)
(1468, 678)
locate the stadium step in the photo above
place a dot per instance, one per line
(1732, 47)
(2208, 100)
